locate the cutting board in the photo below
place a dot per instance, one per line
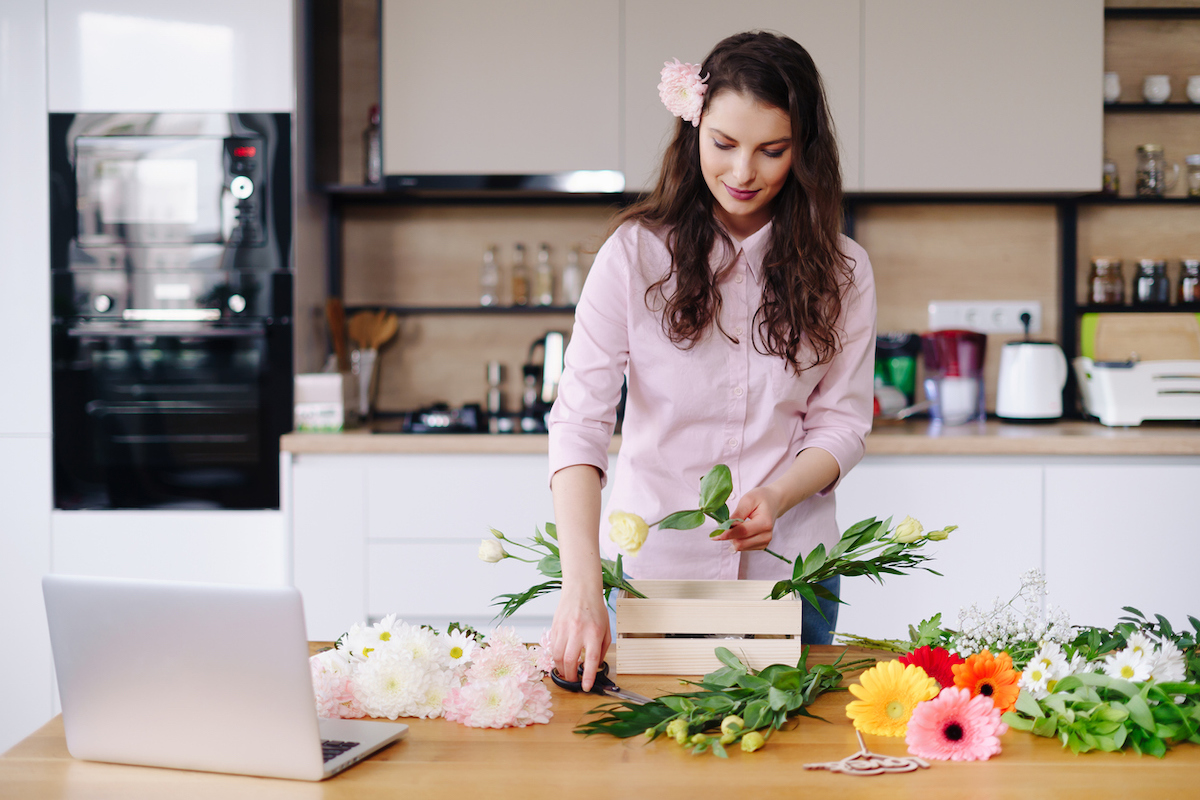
(1142, 337)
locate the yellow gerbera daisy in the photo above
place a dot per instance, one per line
(887, 694)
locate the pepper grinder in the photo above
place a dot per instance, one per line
(495, 399)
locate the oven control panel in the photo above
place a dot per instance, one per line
(244, 179)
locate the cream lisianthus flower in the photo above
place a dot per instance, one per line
(628, 531)
(908, 531)
(491, 551)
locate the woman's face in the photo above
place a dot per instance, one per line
(745, 155)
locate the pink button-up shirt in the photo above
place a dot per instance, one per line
(720, 402)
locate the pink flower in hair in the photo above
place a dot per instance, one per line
(682, 90)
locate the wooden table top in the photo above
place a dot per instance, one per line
(449, 761)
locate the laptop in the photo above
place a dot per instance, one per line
(195, 676)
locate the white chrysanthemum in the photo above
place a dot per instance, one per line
(1167, 664)
(1128, 665)
(1141, 644)
(461, 647)
(332, 662)
(390, 684)
(437, 687)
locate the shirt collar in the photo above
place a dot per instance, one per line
(755, 247)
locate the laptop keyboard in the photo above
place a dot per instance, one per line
(332, 748)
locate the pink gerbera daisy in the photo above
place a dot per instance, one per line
(955, 727)
(936, 661)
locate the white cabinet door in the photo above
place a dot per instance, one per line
(24, 221)
(996, 504)
(329, 545)
(171, 55)
(523, 87)
(1123, 533)
(656, 32)
(971, 96)
(24, 559)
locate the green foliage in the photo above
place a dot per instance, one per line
(765, 700)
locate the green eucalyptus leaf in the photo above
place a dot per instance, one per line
(550, 566)
(1016, 721)
(720, 514)
(715, 488)
(683, 521)
(552, 530)
(1027, 705)
(777, 698)
(1045, 726)
(756, 714)
(726, 657)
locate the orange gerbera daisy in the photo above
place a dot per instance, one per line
(989, 675)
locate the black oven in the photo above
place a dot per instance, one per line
(172, 294)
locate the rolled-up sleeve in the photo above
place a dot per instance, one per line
(584, 415)
(841, 406)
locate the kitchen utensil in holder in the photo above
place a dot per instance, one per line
(363, 363)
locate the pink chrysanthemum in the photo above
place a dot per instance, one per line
(936, 661)
(545, 658)
(487, 704)
(682, 90)
(499, 661)
(332, 688)
(954, 726)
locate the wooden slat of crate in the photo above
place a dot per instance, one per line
(731, 617)
(696, 656)
(705, 590)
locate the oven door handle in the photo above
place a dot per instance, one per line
(171, 314)
(197, 331)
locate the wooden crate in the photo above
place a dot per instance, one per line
(722, 608)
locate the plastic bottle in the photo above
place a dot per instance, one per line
(489, 279)
(520, 277)
(543, 278)
(572, 278)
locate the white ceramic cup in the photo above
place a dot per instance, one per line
(1112, 87)
(1156, 88)
(1193, 88)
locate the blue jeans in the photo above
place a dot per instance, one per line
(815, 629)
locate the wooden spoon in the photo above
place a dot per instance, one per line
(361, 326)
(335, 317)
(386, 326)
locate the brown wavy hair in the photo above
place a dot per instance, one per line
(804, 268)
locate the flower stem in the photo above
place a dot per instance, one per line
(781, 558)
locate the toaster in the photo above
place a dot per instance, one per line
(1131, 392)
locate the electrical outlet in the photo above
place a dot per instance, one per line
(985, 316)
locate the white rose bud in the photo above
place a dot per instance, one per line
(628, 531)
(944, 533)
(908, 531)
(491, 551)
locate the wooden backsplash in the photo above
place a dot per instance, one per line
(430, 255)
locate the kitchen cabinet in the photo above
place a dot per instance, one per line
(1123, 533)
(982, 97)
(997, 504)
(155, 56)
(381, 534)
(519, 88)
(653, 33)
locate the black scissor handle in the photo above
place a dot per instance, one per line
(599, 685)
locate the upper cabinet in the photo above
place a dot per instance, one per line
(974, 96)
(528, 87)
(170, 55)
(656, 32)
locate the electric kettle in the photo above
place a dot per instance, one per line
(1030, 386)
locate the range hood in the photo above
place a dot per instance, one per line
(585, 181)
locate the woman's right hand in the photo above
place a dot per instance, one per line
(580, 633)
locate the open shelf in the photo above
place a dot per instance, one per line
(1139, 12)
(1150, 308)
(484, 310)
(1152, 108)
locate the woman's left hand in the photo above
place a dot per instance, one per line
(758, 509)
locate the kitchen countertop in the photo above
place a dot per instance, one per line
(441, 759)
(907, 438)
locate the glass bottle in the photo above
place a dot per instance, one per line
(543, 278)
(572, 278)
(1112, 180)
(1188, 288)
(489, 279)
(1152, 178)
(1150, 284)
(1193, 175)
(1106, 285)
(372, 149)
(520, 277)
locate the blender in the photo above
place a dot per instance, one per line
(954, 375)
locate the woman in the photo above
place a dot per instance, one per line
(745, 324)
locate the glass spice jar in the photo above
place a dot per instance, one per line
(1106, 284)
(1188, 288)
(1193, 174)
(1150, 284)
(1153, 178)
(1112, 180)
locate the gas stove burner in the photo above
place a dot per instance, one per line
(441, 418)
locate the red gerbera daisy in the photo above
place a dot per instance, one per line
(936, 661)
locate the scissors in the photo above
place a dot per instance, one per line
(602, 685)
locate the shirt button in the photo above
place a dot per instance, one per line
(738, 279)
(737, 391)
(738, 330)
(733, 443)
